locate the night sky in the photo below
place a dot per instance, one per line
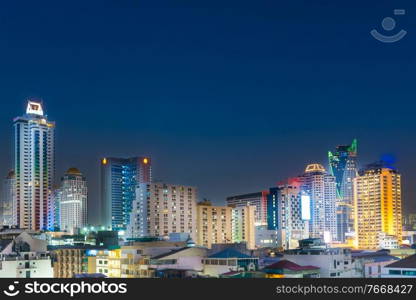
(229, 96)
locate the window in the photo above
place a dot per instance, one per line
(395, 272)
(409, 273)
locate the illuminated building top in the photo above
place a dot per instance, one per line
(34, 108)
(314, 168)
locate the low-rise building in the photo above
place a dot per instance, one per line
(228, 260)
(332, 262)
(187, 259)
(71, 260)
(369, 264)
(387, 241)
(404, 268)
(124, 262)
(288, 269)
(24, 256)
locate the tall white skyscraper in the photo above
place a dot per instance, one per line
(34, 164)
(73, 201)
(321, 188)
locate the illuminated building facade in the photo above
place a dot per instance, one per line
(289, 213)
(8, 201)
(34, 165)
(71, 260)
(377, 206)
(259, 200)
(138, 226)
(125, 262)
(321, 188)
(162, 209)
(73, 202)
(214, 224)
(119, 179)
(343, 166)
(243, 225)
(56, 201)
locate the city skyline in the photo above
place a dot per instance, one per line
(95, 217)
(207, 139)
(229, 100)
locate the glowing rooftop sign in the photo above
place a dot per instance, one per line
(314, 168)
(34, 108)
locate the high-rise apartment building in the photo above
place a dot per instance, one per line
(138, 225)
(56, 202)
(214, 224)
(259, 200)
(119, 179)
(34, 165)
(162, 209)
(289, 213)
(321, 188)
(8, 214)
(377, 206)
(73, 202)
(243, 225)
(343, 166)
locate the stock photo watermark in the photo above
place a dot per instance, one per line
(389, 24)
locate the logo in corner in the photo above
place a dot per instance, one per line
(389, 24)
(11, 290)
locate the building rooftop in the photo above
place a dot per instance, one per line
(4, 243)
(73, 171)
(288, 265)
(245, 196)
(407, 263)
(231, 273)
(229, 253)
(174, 251)
(94, 275)
(376, 256)
(314, 168)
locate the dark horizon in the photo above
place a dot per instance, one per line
(222, 95)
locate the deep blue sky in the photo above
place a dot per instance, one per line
(230, 96)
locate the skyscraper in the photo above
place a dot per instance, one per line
(162, 209)
(377, 206)
(119, 179)
(321, 188)
(8, 201)
(73, 202)
(343, 166)
(34, 165)
(56, 202)
(138, 225)
(289, 210)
